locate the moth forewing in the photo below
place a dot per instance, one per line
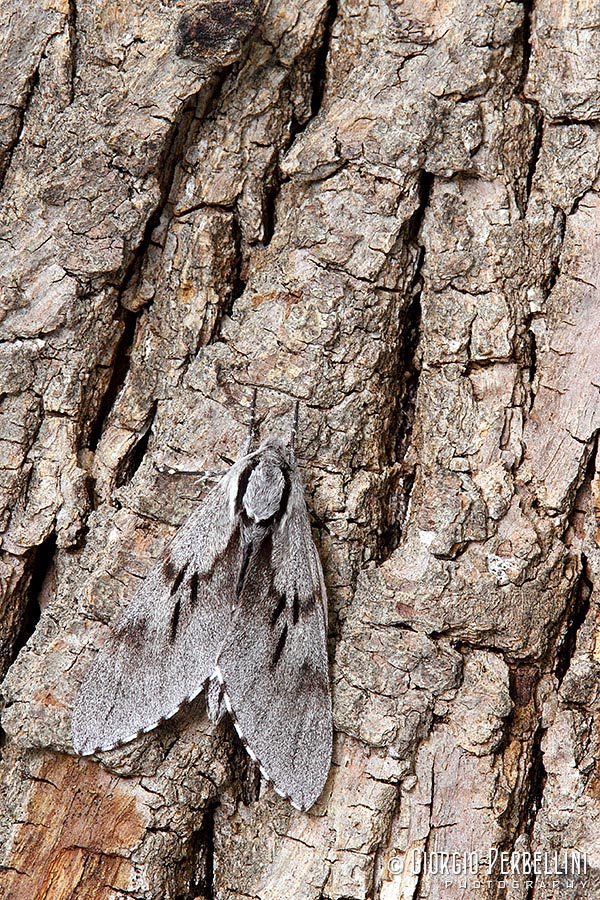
(163, 649)
(295, 556)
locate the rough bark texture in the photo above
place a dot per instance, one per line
(391, 212)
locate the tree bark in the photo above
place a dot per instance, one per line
(389, 211)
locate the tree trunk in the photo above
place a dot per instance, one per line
(390, 212)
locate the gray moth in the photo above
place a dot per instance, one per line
(236, 605)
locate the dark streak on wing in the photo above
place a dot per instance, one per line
(285, 494)
(133, 634)
(296, 607)
(242, 485)
(281, 604)
(178, 579)
(248, 548)
(193, 589)
(311, 680)
(168, 569)
(279, 648)
(308, 603)
(174, 621)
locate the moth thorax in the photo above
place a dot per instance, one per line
(264, 493)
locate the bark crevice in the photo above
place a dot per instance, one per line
(534, 155)
(320, 66)
(31, 86)
(407, 379)
(579, 609)
(72, 26)
(200, 859)
(526, 31)
(38, 569)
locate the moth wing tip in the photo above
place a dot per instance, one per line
(86, 749)
(83, 750)
(302, 805)
(230, 708)
(81, 743)
(279, 791)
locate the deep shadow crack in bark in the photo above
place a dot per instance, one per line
(410, 364)
(273, 183)
(523, 726)
(426, 849)
(273, 178)
(34, 582)
(533, 157)
(198, 864)
(134, 458)
(578, 611)
(553, 275)
(121, 360)
(536, 783)
(30, 89)
(525, 37)
(72, 26)
(560, 225)
(320, 67)
(408, 376)
(238, 285)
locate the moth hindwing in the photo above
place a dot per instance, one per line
(238, 600)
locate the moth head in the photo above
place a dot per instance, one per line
(275, 448)
(265, 495)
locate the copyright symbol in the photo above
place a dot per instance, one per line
(396, 865)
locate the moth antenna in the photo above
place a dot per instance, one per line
(294, 432)
(197, 473)
(252, 429)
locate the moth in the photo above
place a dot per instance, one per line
(237, 606)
